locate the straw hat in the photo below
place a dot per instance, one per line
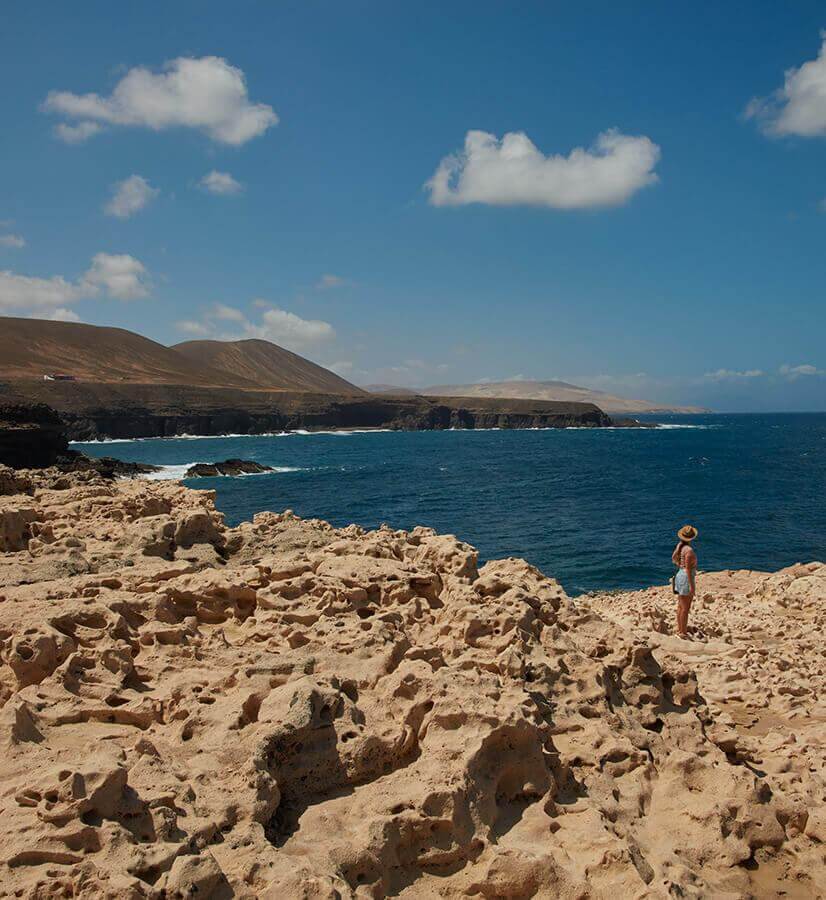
(687, 533)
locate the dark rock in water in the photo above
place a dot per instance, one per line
(633, 423)
(107, 466)
(227, 467)
(31, 435)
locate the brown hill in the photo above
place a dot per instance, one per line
(390, 389)
(32, 348)
(554, 390)
(265, 365)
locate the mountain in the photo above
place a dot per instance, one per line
(265, 365)
(554, 390)
(32, 348)
(390, 389)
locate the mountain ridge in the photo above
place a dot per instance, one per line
(31, 349)
(554, 390)
(265, 365)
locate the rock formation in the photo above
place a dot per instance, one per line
(289, 710)
(95, 410)
(230, 467)
(30, 434)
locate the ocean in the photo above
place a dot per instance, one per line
(596, 509)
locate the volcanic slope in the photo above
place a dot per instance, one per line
(554, 390)
(265, 365)
(32, 348)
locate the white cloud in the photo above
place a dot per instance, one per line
(76, 134)
(130, 196)
(220, 183)
(330, 281)
(795, 372)
(61, 314)
(289, 330)
(207, 94)
(342, 367)
(799, 107)
(276, 325)
(119, 275)
(12, 240)
(727, 374)
(227, 313)
(24, 292)
(513, 172)
(190, 326)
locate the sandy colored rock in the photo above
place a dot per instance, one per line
(289, 710)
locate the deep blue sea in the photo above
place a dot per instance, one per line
(594, 508)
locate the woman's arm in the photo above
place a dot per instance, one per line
(675, 556)
(691, 568)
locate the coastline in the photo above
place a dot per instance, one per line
(101, 410)
(388, 715)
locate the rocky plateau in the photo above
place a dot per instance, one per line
(289, 710)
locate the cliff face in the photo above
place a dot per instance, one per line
(286, 709)
(30, 435)
(92, 411)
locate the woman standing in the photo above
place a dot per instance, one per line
(684, 585)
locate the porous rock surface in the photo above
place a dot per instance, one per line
(289, 710)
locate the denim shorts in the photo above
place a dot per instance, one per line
(682, 583)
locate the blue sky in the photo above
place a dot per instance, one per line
(261, 169)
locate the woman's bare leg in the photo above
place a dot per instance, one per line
(683, 607)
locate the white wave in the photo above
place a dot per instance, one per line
(346, 432)
(177, 472)
(169, 473)
(217, 437)
(340, 432)
(109, 441)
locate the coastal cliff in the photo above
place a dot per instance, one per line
(30, 434)
(287, 709)
(91, 411)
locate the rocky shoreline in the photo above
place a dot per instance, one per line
(91, 411)
(287, 709)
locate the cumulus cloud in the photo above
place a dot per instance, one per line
(190, 326)
(799, 107)
(111, 275)
(207, 94)
(794, 372)
(118, 275)
(24, 292)
(77, 134)
(277, 325)
(221, 183)
(513, 172)
(288, 329)
(726, 374)
(61, 314)
(227, 313)
(130, 196)
(786, 371)
(12, 240)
